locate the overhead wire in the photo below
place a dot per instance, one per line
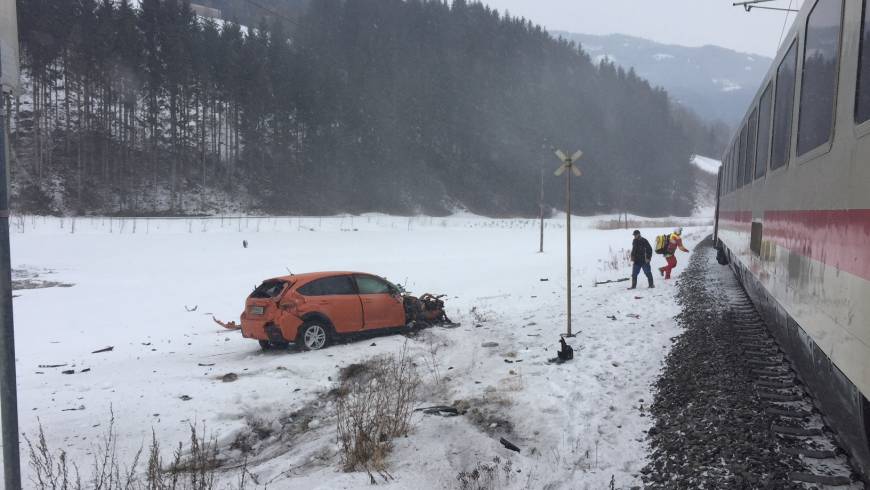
(784, 23)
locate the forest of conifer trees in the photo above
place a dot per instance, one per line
(398, 106)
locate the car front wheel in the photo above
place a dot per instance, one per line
(314, 335)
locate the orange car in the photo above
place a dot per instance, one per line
(309, 309)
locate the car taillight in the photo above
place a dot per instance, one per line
(256, 310)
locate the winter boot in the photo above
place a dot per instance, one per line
(633, 283)
(651, 285)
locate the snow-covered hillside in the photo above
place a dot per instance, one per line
(149, 288)
(715, 82)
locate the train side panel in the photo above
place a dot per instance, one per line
(799, 239)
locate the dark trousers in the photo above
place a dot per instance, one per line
(646, 270)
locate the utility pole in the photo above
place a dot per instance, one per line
(8, 388)
(541, 205)
(568, 164)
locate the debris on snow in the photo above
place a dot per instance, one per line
(227, 325)
(508, 444)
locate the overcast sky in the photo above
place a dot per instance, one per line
(686, 22)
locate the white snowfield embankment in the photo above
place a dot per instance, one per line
(579, 425)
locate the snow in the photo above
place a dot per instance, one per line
(706, 164)
(663, 56)
(579, 425)
(727, 85)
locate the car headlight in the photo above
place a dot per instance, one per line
(256, 310)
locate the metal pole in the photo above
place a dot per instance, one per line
(718, 197)
(8, 389)
(541, 250)
(568, 220)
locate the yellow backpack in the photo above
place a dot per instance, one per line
(662, 242)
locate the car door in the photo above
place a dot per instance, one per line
(335, 297)
(382, 304)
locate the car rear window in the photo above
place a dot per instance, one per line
(269, 289)
(329, 286)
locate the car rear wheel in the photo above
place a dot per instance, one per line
(314, 335)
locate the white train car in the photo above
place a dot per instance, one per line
(794, 209)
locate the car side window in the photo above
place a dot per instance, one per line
(329, 286)
(373, 285)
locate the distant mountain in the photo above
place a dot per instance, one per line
(715, 82)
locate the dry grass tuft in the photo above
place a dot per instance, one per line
(195, 467)
(372, 408)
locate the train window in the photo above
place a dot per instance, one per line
(735, 150)
(819, 85)
(741, 164)
(751, 139)
(862, 96)
(765, 106)
(726, 180)
(783, 107)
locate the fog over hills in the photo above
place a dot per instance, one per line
(715, 82)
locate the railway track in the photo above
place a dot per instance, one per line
(728, 384)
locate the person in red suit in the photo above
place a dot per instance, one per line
(675, 242)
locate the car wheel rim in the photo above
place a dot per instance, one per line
(315, 337)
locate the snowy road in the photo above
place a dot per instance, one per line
(579, 425)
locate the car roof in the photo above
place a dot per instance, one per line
(310, 276)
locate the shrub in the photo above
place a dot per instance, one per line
(373, 407)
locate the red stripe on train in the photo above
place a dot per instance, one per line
(738, 216)
(838, 238)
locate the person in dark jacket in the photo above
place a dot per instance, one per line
(641, 256)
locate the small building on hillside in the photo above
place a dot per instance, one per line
(203, 11)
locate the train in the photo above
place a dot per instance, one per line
(793, 210)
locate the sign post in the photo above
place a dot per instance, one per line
(8, 388)
(568, 163)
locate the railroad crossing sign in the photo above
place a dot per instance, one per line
(568, 163)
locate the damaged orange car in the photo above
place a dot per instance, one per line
(309, 310)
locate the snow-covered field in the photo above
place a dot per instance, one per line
(130, 283)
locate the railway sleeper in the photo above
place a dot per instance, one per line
(764, 363)
(796, 413)
(763, 353)
(795, 431)
(828, 480)
(772, 372)
(779, 397)
(810, 453)
(777, 385)
(750, 329)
